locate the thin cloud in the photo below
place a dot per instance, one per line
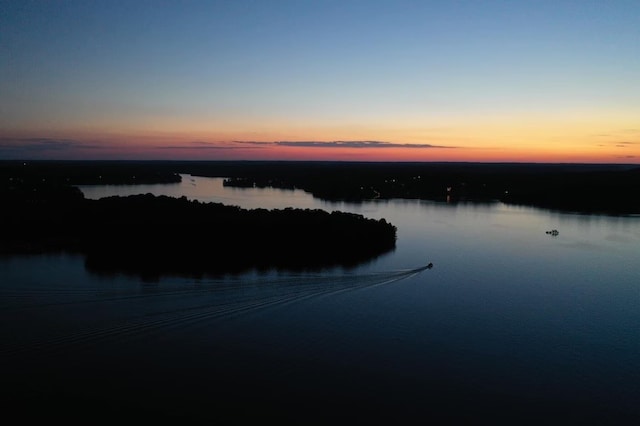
(620, 136)
(253, 143)
(201, 145)
(35, 146)
(346, 144)
(623, 144)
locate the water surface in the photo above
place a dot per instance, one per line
(512, 324)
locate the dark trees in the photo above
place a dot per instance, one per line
(151, 235)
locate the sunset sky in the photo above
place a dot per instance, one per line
(540, 81)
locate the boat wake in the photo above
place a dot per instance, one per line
(60, 319)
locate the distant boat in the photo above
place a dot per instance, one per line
(430, 265)
(553, 232)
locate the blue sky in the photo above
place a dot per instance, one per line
(126, 72)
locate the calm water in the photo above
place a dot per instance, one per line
(511, 324)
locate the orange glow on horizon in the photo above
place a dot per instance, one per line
(583, 138)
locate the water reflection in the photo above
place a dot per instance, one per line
(210, 190)
(145, 308)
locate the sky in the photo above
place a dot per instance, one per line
(347, 80)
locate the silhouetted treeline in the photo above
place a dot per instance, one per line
(613, 189)
(588, 188)
(88, 172)
(150, 236)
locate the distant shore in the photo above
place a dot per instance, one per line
(582, 188)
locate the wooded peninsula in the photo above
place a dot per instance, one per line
(151, 235)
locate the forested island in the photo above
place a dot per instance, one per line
(153, 235)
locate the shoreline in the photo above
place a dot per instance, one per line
(578, 188)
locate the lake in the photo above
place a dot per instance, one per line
(511, 325)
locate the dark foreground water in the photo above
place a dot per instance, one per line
(512, 326)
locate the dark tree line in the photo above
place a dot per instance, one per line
(88, 172)
(151, 235)
(611, 189)
(588, 188)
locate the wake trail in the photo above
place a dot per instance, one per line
(216, 300)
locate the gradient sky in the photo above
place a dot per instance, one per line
(544, 81)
